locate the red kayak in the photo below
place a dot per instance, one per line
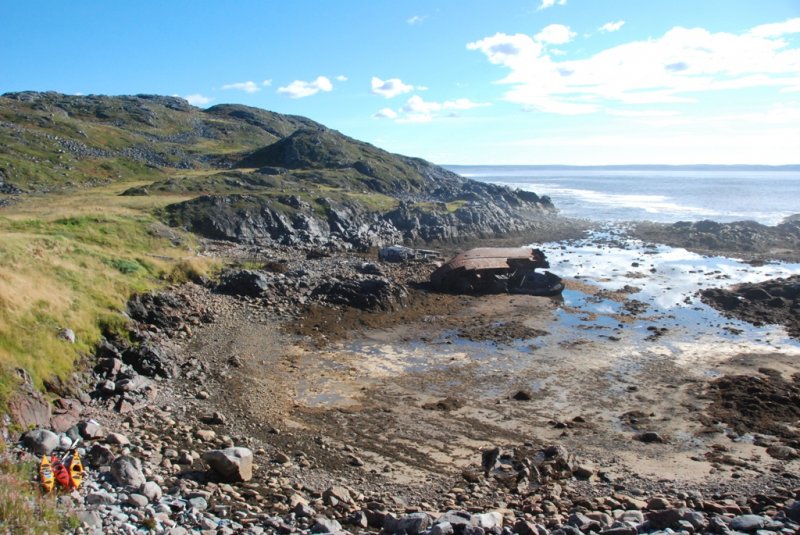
(60, 472)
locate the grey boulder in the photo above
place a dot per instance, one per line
(231, 464)
(127, 471)
(40, 441)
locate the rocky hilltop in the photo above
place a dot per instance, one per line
(256, 176)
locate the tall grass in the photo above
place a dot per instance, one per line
(76, 271)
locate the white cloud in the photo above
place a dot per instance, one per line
(611, 26)
(777, 29)
(197, 99)
(642, 113)
(550, 3)
(416, 19)
(390, 88)
(341, 78)
(418, 110)
(676, 67)
(300, 89)
(508, 50)
(462, 104)
(248, 86)
(386, 113)
(555, 34)
(267, 83)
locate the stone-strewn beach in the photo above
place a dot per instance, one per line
(334, 404)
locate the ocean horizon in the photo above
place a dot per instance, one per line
(661, 193)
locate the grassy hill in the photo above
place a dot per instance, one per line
(90, 184)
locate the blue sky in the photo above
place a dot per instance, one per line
(455, 82)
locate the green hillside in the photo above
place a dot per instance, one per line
(98, 196)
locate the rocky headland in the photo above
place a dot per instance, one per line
(749, 240)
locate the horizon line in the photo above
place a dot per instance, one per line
(628, 166)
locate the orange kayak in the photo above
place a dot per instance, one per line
(75, 470)
(46, 478)
(60, 472)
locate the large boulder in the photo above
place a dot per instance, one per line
(99, 455)
(244, 282)
(27, 406)
(150, 360)
(40, 441)
(412, 524)
(231, 464)
(127, 471)
(367, 294)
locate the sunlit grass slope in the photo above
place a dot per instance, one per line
(72, 262)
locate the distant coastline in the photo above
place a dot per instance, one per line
(648, 167)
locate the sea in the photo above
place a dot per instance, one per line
(667, 195)
(667, 278)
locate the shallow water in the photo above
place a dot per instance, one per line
(589, 328)
(667, 280)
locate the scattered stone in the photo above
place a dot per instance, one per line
(137, 500)
(152, 491)
(447, 404)
(650, 437)
(127, 471)
(206, 435)
(340, 494)
(90, 519)
(215, 418)
(412, 524)
(67, 334)
(231, 464)
(100, 498)
(583, 471)
(793, 511)
(325, 525)
(282, 458)
(664, 519)
(117, 438)
(658, 504)
(354, 460)
(748, 523)
(488, 522)
(784, 453)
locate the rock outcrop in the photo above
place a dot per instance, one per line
(747, 239)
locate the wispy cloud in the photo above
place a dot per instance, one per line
(390, 88)
(385, 113)
(777, 29)
(418, 110)
(550, 3)
(267, 83)
(197, 99)
(416, 19)
(555, 34)
(611, 26)
(673, 68)
(341, 78)
(300, 88)
(248, 86)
